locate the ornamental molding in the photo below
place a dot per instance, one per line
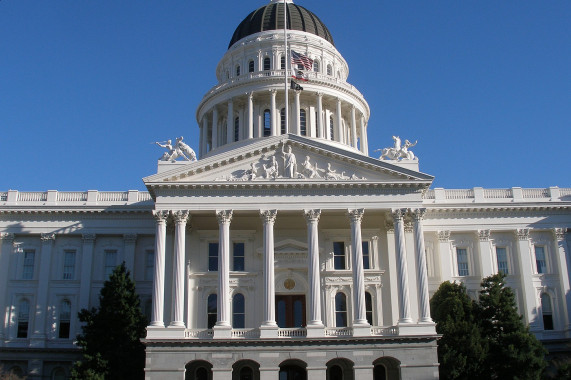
(522, 234)
(444, 236)
(489, 211)
(7, 237)
(48, 237)
(559, 233)
(312, 215)
(356, 215)
(183, 216)
(484, 235)
(224, 216)
(130, 238)
(408, 226)
(88, 238)
(268, 216)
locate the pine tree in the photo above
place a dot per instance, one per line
(514, 352)
(111, 339)
(461, 350)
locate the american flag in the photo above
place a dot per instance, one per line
(300, 59)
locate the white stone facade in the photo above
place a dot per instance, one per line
(284, 250)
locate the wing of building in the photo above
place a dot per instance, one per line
(285, 251)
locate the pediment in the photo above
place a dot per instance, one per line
(287, 247)
(284, 160)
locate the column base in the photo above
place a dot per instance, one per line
(362, 330)
(268, 332)
(222, 332)
(175, 324)
(315, 331)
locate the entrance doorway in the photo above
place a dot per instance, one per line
(290, 310)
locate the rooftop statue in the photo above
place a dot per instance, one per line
(180, 149)
(398, 151)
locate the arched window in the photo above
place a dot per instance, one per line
(16, 373)
(64, 319)
(547, 312)
(58, 374)
(23, 318)
(198, 370)
(238, 70)
(267, 123)
(340, 310)
(238, 311)
(211, 310)
(251, 66)
(331, 128)
(267, 64)
(282, 62)
(380, 372)
(246, 373)
(335, 373)
(316, 66)
(303, 122)
(369, 307)
(329, 70)
(236, 129)
(283, 121)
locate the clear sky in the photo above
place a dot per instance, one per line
(86, 86)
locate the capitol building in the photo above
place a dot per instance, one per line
(282, 249)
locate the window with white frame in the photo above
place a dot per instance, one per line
(369, 307)
(282, 63)
(238, 257)
(212, 257)
(267, 123)
(316, 66)
(540, 260)
(23, 318)
(283, 121)
(366, 255)
(149, 264)
(303, 122)
(340, 310)
(110, 262)
(29, 262)
(212, 310)
(547, 311)
(329, 70)
(251, 66)
(238, 311)
(267, 64)
(502, 257)
(64, 320)
(339, 259)
(68, 264)
(462, 261)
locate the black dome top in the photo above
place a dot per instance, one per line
(271, 17)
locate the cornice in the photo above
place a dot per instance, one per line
(491, 210)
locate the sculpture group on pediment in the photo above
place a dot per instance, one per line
(398, 151)
(179, 150)
(270, 170)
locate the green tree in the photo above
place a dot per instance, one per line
(514, 352)
(461, 350)
(111, 339)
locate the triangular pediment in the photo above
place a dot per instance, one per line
(288, 159)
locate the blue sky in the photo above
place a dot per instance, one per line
(86, 86)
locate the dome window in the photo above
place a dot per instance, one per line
(303, 122)
(282, 63)
(283, 121)
(329, 70)
(267, 64)
(238, 70)
(316, 66)
(267, 123)
(251, 66)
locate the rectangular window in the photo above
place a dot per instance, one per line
(502, 256)
(339, 255)
(366, 256)
(212, 257)
(238, 257)
(149, 264)
(110, 261)
(28, 269)
(462, 258)
(540, 259)
(68, 264)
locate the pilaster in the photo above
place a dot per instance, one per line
(6, 249)
(524, 259)
(130, 241)
(563, 265)
(38, 338)
(485, 250)
(445, 255)
(250, 115)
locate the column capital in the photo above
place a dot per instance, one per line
(398, 214)
(418, 214)
(522, 233)
(390, 226)
(356, 215)
(312, 215)
(559, 233)
(224, 216)
(319, 94)
(160, 215)
(7, 236)
(408, 226)
(181, 216)
(88, 238)
(273, 91)
(484, 235)
(130, 238)
(444, 236)
(297, 92)
(268, 216)
(48, 237)
(250, 94)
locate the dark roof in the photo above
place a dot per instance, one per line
(271, 17)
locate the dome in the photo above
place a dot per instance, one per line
(271, 17)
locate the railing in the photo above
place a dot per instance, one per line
(498, 193)
(198, 334)
(292, 333)
(59, 198)
(479, 194)
(71, 197)
(3, 197)
(429, 194)
(112, 196)
(565, 192)
(460, 194)
(385, 331)
(32, 197)
(245, 333)
(338, 331)
(535, 193)
(143, 197)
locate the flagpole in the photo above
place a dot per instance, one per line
(287, 59)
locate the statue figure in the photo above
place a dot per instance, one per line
(309, 170)
(331, 173)
(290, 166)
(397, 151)
(180, 149)
(272, 170)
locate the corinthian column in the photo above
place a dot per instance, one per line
(159, 278)
(269, 325)
(312, 218)
(39, 334)
(180, 218)
(339, 128)
(353, 128)
(273, 118)
(230, 122)
(250, 115)
(297, 111)
(319, 121)
(422, 276)
(359, 310)
(214, 144)
(6, 249)
(223, 323)
(563, 266)
(404, 304)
